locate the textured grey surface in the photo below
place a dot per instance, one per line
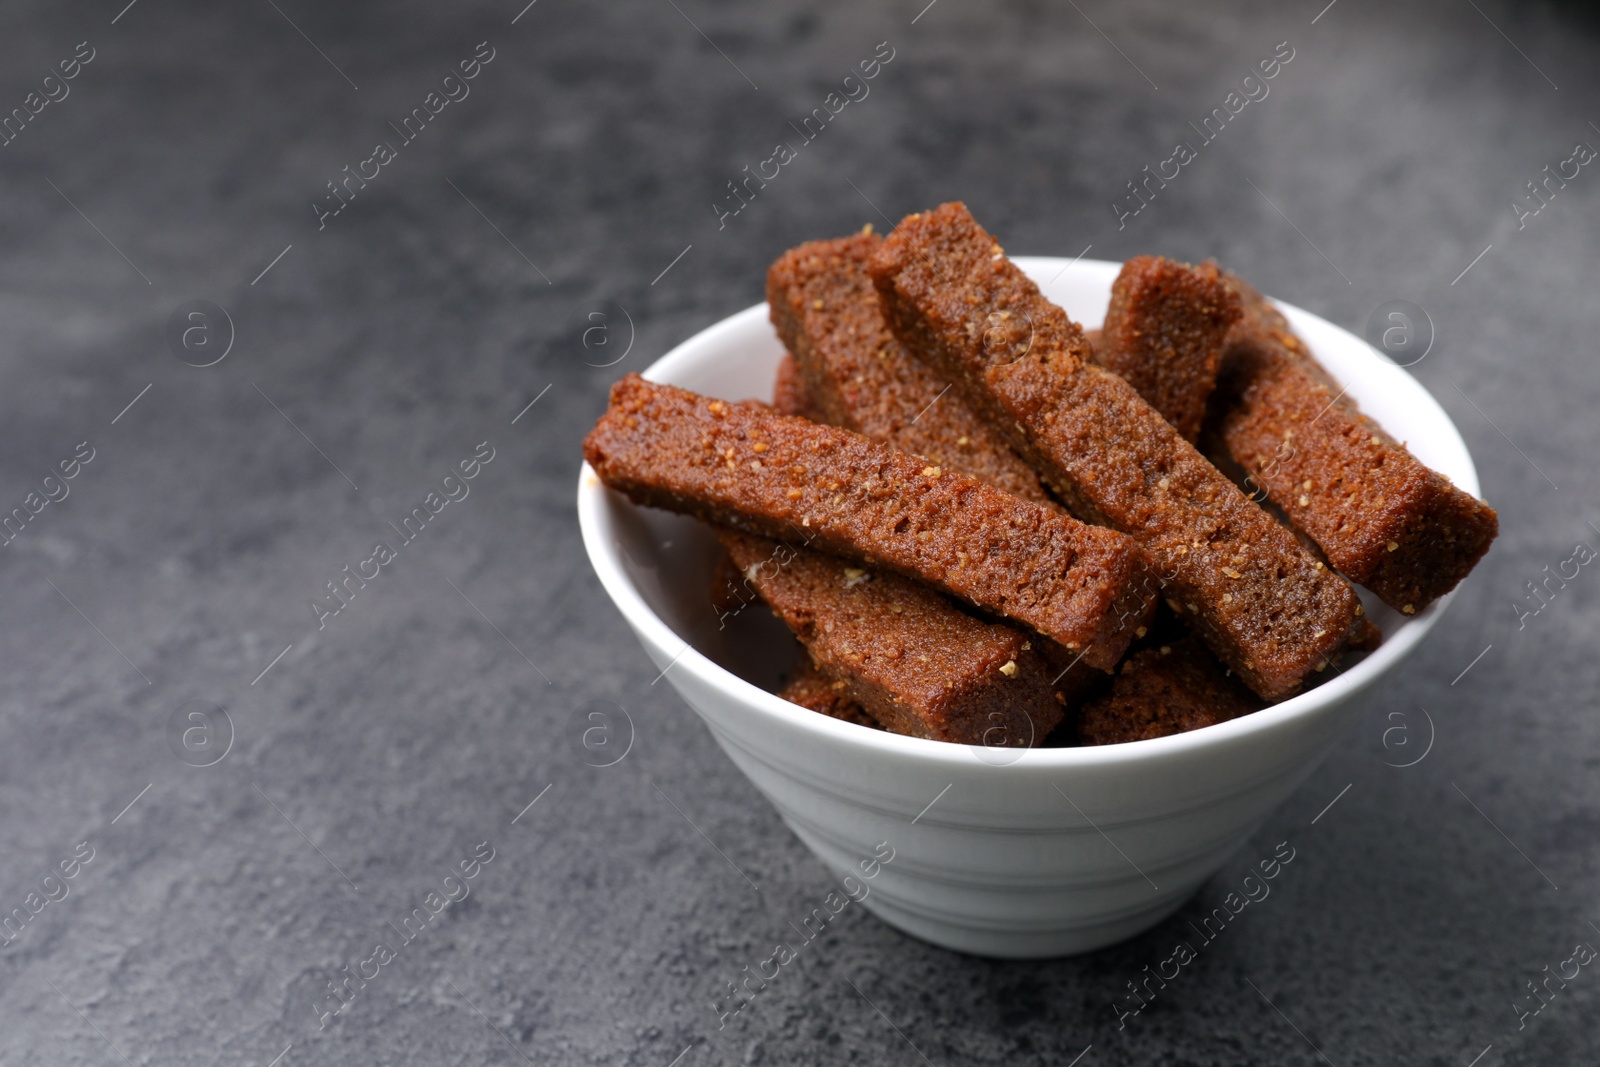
(384, 748)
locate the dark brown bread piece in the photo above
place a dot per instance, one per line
(1381, 516)
(1165, 690)
(810, 689)
(1164, 332)
(859, 376)
(1268, 609)
(904, 653)
(789, 478)
(1366, 637)
(789, 391)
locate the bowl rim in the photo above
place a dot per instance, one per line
(594, 498)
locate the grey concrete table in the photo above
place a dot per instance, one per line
(251, 793)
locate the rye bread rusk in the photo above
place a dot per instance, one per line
(1169, 689)
(858, 375)
(1164, 332)
(911, 659)
(1383, 518)
(790, 478)
(809, 688)
(789, 392)
(1267, 608)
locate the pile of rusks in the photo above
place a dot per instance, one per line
(986, 526)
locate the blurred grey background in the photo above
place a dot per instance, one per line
(264, 801)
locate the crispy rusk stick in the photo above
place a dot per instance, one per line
(1163, 334)
(916, 663)
(789, 478)
(809, 688)
(1381, 516)
(1268, 609)
(859, 376)
(1166, 690)
(789, 391)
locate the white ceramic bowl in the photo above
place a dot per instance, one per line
(999, 852)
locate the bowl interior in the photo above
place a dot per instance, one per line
(657, 566)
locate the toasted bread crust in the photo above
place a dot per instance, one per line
(915, 662)
(1383, 518)
(789, 478)
(1166, 690)
(1164, 333)
(789, 391)
(811, 689)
